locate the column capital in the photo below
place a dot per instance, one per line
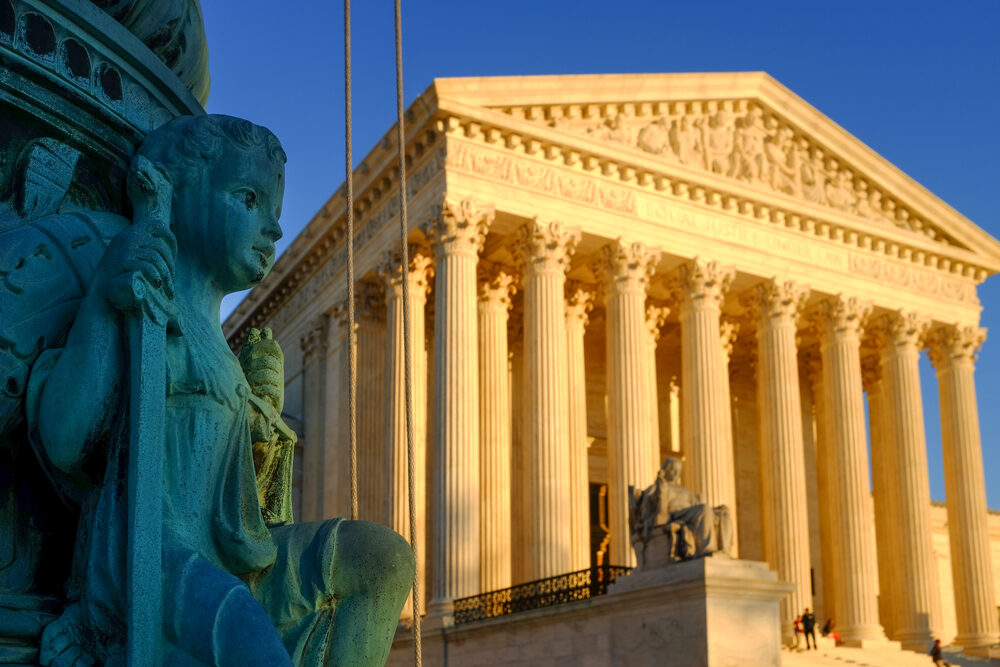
(840, 316)
(774, 300)
(389, 269)
(496, 286)
(955, 342)
(702, 284)
(458, 226)
(370, 300)
(871, 370)
(812, 362)
(545, 246)
(728, 332)
(626, 267)
(656, 316)
(579, 303)
(369, 304)
(314, 340)
(899, 330)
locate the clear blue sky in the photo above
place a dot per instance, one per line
(918, 81)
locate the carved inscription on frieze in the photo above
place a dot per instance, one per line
(911, 277)
(868, 265)
(744, 233)
(540, 177)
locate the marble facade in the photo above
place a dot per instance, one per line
(608, 270)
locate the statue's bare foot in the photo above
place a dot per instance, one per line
(62, 644)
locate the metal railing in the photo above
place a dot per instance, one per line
(549, 592)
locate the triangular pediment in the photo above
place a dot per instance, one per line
(745, 128)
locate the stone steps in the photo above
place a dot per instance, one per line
(841, 656)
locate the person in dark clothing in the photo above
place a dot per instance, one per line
(936, 655)
(809, 628)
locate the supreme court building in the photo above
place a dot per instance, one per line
(609, 270)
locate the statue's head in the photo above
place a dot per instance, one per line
(670, 471)
(228, 178)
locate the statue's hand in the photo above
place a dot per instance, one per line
(151, 193)
(264, 366)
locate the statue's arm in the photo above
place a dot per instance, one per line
(82, 395)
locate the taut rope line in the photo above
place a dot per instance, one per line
(407, 380)
(351, 336)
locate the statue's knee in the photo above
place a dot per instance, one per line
(371, 557)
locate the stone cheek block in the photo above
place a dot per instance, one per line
(707, 612)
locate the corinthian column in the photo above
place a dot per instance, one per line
(883, 493)
(786, 528)
(626, 270)
(371, 401)
(855, 566)
(397, 499)
(825, 490)
(656, 316)
(495, 289)
(578, 305)
(707, 433)
(457, 230)
(543, 251)
(953, 352)
(314, 351)
(919, 602)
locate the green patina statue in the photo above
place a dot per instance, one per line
(241, 583)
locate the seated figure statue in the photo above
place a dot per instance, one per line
(242, 584)
(668, 522)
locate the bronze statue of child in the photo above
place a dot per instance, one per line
(242, 584)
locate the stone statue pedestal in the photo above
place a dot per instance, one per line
(708, 611)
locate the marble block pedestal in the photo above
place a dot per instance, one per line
(714, 611)
(708, 612)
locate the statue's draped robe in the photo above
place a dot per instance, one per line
(212, 507)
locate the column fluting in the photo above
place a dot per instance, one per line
(883, 493)
(918, 614)
(625, 271)
(856, 569)
(578, 306)
(314, 349)
(543, 251)
(775, 307)
(706, 430)
(953, 353)
(397, 510)
(457, 230)
(656, 316)
(371, 349)
(825, 491)
(495, 290)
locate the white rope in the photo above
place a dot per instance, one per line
(407, 379)
(351, 337)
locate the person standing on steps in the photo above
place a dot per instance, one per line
(809, 628)
(936, 655)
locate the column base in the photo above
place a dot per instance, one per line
(976, 641)
(865, 636)
(916, 641)
(990, 652)
(440, 614)
(872, 643)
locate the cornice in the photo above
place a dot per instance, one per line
(449, 107)
(630, 168)
(537, 97)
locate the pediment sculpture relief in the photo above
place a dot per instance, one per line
(742, 140)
